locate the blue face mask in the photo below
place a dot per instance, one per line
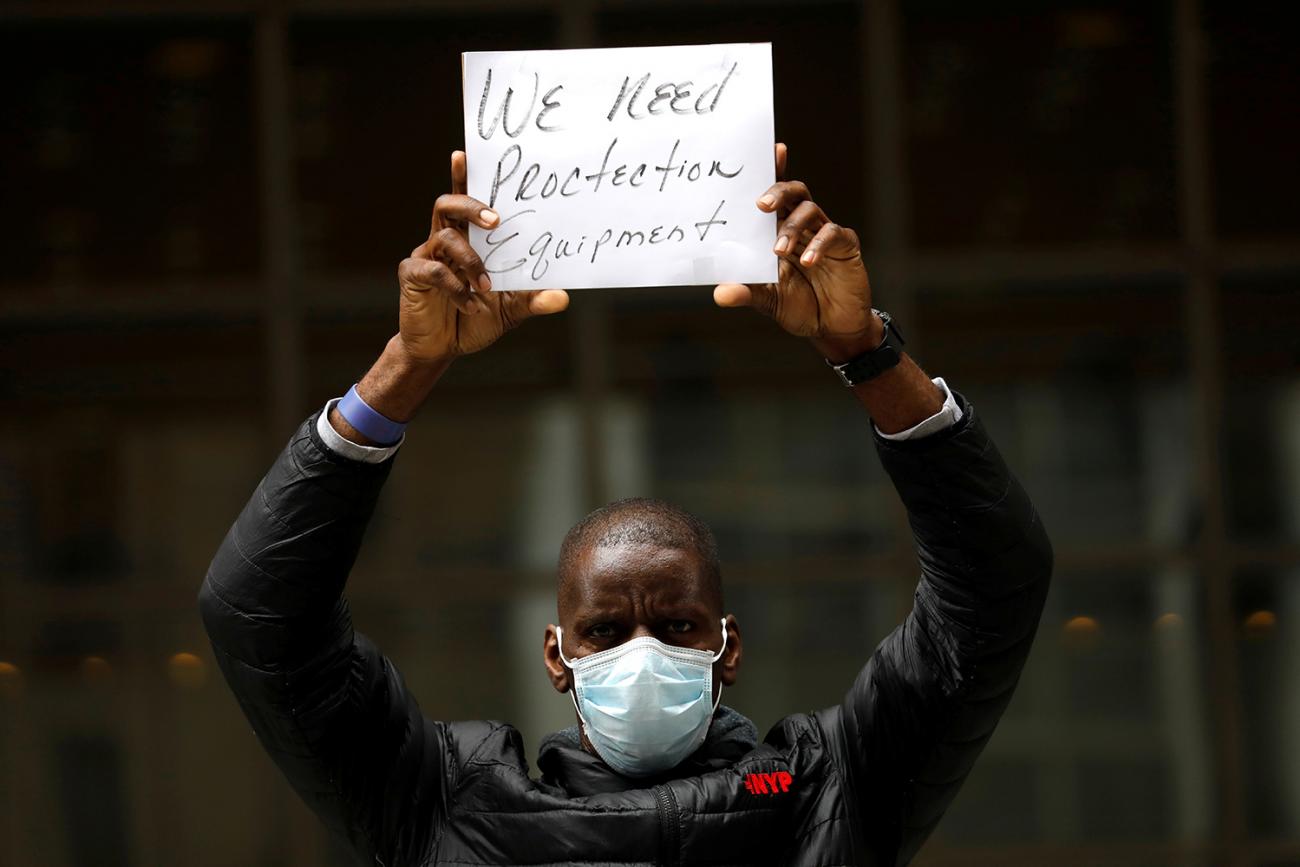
(645, 705)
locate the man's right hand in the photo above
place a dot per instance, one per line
(448, 307)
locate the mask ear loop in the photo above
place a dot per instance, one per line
(573, 691)
(559, 645)
(723, 649)
(717, 701)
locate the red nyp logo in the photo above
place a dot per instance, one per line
(768, 784)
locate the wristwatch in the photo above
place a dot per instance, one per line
(873, 362)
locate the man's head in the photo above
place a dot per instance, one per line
(634, 568)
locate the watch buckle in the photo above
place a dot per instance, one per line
(839, 371)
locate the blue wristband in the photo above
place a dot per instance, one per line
(371, 424)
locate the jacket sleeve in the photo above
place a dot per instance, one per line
(927, 701)
(329, 708)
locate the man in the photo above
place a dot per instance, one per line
(656, 771)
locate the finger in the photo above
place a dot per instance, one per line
(459, 173)
(832, 240)
(782, 153)
(807, 217)
(453, 209)
(453, 248)
(783, 196)
(455, 287)
(761, 296)
(430, 275)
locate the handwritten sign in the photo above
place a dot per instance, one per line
(622, 166)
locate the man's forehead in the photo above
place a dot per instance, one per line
(605, 573)
(623, 559)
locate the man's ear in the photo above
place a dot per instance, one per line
(728, 667)
(555, 667)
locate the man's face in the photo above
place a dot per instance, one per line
(618, 592)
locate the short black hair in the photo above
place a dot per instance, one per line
(644, 521)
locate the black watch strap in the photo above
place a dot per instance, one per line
(873, 362)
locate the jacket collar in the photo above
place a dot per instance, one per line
(564, 763)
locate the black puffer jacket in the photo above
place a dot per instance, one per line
(862, 782)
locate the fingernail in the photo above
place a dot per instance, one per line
(488, 216)
(781, 244)
(808, 257)
(766, 201)
(485, 282)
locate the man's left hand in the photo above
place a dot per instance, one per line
(822, 291)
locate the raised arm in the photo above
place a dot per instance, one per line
(927, 701)
(325, 703)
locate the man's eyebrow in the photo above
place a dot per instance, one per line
(694, 611)
(597, 614)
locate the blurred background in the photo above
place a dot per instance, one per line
(1082, 213)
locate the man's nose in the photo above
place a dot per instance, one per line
(642, 630)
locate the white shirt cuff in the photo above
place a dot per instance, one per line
(941, 420)
(335, 442)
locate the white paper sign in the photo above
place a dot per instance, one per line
(622, 166)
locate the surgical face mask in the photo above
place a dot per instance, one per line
(645, 705)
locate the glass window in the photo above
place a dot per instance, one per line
(131, 448)
(1262, 405)
(377, 111)
(1106, 739)
(90, 774)
(1267, 613)
(74, 536)
(809, 628)
(745, 426)
(818, 81)
(463, 496)
(1085, 391)
(142, 364)
(1038, 123)
(1254, 86)
(142, 157)
(61, 643)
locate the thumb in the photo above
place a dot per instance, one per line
(518, 306)
(547, 301)
(760, 296)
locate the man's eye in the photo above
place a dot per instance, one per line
(680, 626)
(601, 630)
